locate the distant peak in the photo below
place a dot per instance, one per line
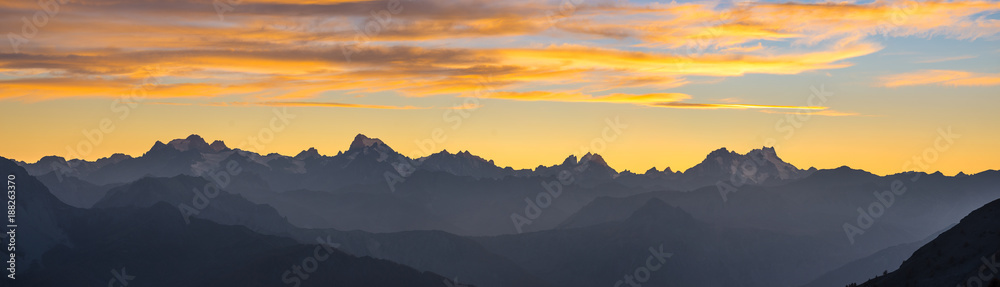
(593, 158)
(570, 160)
(219, 146)
(651, 170)
(766, 150)
(840, 172)
(192, 142)
(720, 152)
(117, 157)
(159, 146)
(50, 158)
(469, 155)
(362, 141)
(309, 153)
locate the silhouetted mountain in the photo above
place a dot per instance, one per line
(759, 166)
(197, 197)
(155, 247)
(74, 191)
(40, 216)
(589, 170)
(840, 176)
(310, 153)
(195, 142)
(463, 163)
(965, 255)
(429, 251)
(603, 254)
(370, 161)
(870, 266)
(361, 141)
(787, 225)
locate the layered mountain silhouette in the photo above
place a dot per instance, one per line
(732, 220)
(155, 247)
(964, 255)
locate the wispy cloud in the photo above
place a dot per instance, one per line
(331, 105)
(825, 113)
(579, 97)
(294, 104)
(732, 106)
(661, 100)
(946, 59)
(941, 78)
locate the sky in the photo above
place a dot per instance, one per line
(885, 86)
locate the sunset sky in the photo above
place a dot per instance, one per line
(865, 84)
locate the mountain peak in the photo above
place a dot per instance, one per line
(767, 151)
(219, 146)
(193, 138)
(50, 159)
(362, 141)
(720, 151)
(570, 160)
(192, 142)
(309, 153)
(651, 171)
(593, 158)
(722, 163)
(654, 171)
(157, 146)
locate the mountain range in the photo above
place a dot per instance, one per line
(732, 220)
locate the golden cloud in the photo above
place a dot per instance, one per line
(940, 77)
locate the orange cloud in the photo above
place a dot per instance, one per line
(732, 106)
(663, 100)
(336, 105)
(577, 97)
(940, 77)
(721, 65)
(825, 113)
